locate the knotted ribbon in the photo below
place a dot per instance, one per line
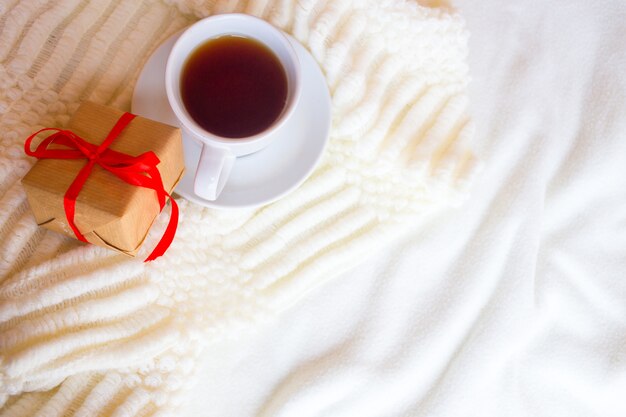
(138, 170)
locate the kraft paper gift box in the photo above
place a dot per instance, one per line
(109, 212)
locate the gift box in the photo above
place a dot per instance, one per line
(110, 210)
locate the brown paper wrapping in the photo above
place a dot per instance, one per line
(109, 211)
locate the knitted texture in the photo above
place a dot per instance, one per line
(88, 332)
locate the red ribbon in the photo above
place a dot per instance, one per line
(138, 170)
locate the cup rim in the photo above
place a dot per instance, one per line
(178, 106)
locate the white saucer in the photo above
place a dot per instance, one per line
(264, 176)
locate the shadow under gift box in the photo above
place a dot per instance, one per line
(109, 211)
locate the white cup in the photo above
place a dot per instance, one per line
(219, 153)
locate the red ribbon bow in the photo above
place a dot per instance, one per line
(138, 170)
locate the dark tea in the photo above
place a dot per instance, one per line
(233, 86)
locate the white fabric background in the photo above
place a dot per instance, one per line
(513, 305)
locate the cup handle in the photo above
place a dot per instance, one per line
(213, 170)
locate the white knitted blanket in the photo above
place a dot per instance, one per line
(88, 332)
